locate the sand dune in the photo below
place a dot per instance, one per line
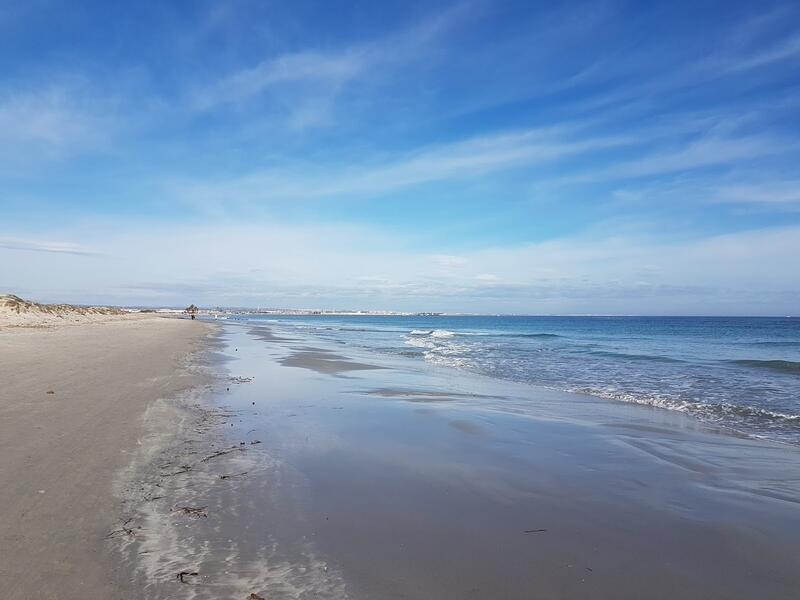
(17, 312)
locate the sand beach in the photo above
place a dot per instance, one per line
(167, 458)
(72, 404)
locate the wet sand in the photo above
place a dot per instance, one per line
(323, 361)
(411, 481)
(72, 406)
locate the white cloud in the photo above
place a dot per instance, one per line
(449, 260)
(748, 272)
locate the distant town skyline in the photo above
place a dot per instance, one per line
(480, 157)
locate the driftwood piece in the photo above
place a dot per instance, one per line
(195, 511)
(124, 529)
(182, 469)
(222, 453)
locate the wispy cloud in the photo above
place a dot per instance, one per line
(706, 151)
(677, 146)
(46, 246)
(784, 50)
(743, 189)
(331, 70)
(460, 160)
(314, 77)
(50, 119)
(765, 192)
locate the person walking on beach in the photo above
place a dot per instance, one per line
(192, 310)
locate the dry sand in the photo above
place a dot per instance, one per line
(72, 401)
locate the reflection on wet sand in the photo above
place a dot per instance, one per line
(323, 362)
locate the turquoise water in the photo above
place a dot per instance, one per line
(740, 373)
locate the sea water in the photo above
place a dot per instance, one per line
(738, 373)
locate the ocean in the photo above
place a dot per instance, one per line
(742, 374)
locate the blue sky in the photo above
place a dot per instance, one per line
(602, 157)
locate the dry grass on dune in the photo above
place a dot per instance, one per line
(17, 312)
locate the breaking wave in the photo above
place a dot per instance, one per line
(437, 333)
(717, 412)
(447, 333)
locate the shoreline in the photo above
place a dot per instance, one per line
(186, 526)
(746, 383)
(682, 416)
(417, 481)
(73, 404)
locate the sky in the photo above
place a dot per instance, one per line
(477, 156)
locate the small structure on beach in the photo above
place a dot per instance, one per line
(191, 310)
